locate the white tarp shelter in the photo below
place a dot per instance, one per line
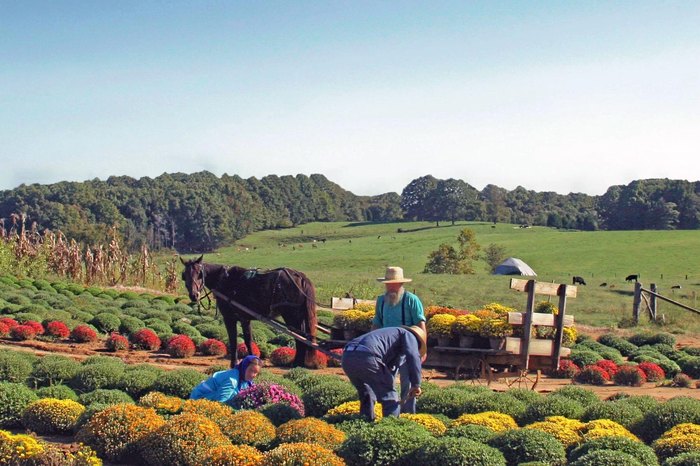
(514, 266)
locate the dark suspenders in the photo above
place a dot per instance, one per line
(403, 308)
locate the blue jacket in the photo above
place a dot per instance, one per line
(393, 345)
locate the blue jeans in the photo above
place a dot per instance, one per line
(410, 405)
(373, 382)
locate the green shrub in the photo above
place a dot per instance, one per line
(93, 376)
(158, 326)
(182, 328)
(523, 394)
(584, 357)
(60, 392)
(104, 360)
(279, 413)
(90, 410)
(685, 459)
(179, 382)
(106, 323)
(606, 458)
(520, 446)
(644, 402)
(691, 366)
(640, 452)
(53, 369)
(448, 401)
(319, 399)
(669, 414)
(481, 434)
(551, 405)
(130, 325)
(211, 330)
(622, 412)
(138, 382)
(161, 315)
(105, 396)
(457, 452)
(13, 367)
(14, 398)
(389, 442)
(583, 395)
(494, 401)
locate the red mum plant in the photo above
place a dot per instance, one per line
(9, 322)
(83, 334)
(566, 370)
(242, 350)
(116, 342)
(320, 361)
(57, 329)
(609, 366)
(38, 328)
(180, 346)
(145, 339)
(283, 356)
(594, 375)
(23, 332)
(4, 330)
(333, 362)
(213, 347)
(653, 371)
(630, 375)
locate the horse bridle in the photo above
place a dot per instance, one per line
(207, 291)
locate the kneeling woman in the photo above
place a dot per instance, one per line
(223, 386)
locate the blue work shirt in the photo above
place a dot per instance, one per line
(222, 386)
(392, 345)
(409, 308)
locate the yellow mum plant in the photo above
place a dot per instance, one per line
(685, 428)
(52, 416)
(117, 432)
(367, 308)
(566, 435)
(248, 428)
(186, 439)
(676, 444)
(605, 428)
(441, 325)
(496, 328)
(234, 455)
(498, 422)
(499, 309)
(16, 449)
(289, 454)
(212, 410)
(434, 425)
(351, 408)
(466, 325)
(569, 337)
(162, 403)
(310, 430)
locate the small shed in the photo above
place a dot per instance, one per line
(514, 266)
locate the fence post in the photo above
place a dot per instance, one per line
(637, 302)
(652, 302)
(559, 322)
(527, 325)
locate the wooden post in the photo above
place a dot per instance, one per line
(527, 325)
(559, 335)
(652, 302)
(636, 304)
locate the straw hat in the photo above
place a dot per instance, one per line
(420, 334)
(393, 275)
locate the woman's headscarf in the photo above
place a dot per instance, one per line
(243, 366)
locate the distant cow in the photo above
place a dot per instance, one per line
(579, 280)
(629, 278)
(676, 287)
(604, 284)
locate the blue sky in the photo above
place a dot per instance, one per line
(552, 96)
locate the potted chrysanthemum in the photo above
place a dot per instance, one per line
(466, 327)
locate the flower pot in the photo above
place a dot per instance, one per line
(444, 341)
(497, 343)
(466, 341)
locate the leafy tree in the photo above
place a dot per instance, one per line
(446, 259)
(493, 255)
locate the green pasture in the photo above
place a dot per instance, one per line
(354, 254)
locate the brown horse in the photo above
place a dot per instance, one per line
(284, 292)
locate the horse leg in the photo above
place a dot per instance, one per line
(247, 335)
(231, 324)
(294, 322)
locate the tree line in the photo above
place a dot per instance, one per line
(200, 212)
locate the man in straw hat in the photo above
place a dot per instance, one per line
(396, 307)
(372, 360)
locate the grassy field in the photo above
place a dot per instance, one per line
(353, 255)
